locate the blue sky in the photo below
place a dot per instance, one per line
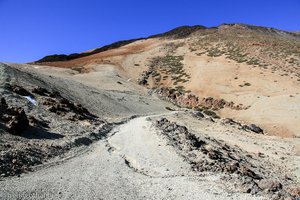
(31, 29)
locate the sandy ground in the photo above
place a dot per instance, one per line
(273, 99)
(132, 163)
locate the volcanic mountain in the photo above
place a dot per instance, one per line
(192, 113)
(245, 72)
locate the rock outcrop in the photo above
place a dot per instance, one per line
(192, 101)
(206, 154)
(15, 119)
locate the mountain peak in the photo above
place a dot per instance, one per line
(180, 32)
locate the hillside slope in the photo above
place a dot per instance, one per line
(235, 69)
(193, 113)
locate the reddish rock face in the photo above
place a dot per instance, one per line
(190, 100)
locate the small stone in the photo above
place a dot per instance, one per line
(198, 114)
(261, 155)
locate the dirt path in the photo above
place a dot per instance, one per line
(131, 163)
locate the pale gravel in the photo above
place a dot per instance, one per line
(101, 173)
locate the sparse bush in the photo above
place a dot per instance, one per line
(169, 65)
(170, 109)
(198, 109)
(211, 113)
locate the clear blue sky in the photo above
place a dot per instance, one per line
(31, 29)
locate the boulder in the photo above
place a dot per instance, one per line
(20, 91)
(245, 171)
(18, 123)
(41, 91)
(253, 128)
(231, 167)
(198, 114)
(270, 185)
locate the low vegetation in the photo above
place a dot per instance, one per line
(169, 67)
(255, 48)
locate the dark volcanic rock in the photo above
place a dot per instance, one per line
(37, 123)
(250, 186)
(83, 141)
(41, 91)
(245, 171)
(18, 123)
(63, 57)
(253, 128)
(144, 77)
(219, 157)
(15, 119)
(14, 163)
(198, 114)
(3, 105)
(207, 154)
(62, 106)
(180, 32)
(20, 91)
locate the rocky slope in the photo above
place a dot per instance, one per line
(196, 112)
(43, 116)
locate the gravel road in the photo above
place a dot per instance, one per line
(133, 162)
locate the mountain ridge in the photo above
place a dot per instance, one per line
(176, 33)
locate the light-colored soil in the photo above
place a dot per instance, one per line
(280, 152)
(273, 105)
(218, 77)
(134, 163)
(114, 101)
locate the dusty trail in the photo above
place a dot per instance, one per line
(133, 162)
